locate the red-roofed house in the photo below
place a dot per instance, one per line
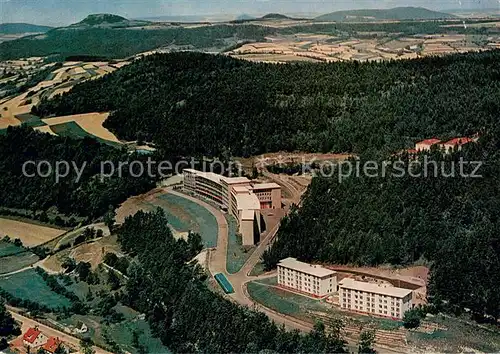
(456, 143)
(426, 144)
(33, 338)
(52, 345)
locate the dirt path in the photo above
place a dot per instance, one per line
(51, 332)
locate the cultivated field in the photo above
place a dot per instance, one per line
(14, 263)
(386, 46)
(89, 122)
(8, 248)
(31, 286)
(30, 234)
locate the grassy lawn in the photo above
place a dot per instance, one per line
(7, 249)
(281, 300)
(16, 262)
(258, 269)
(236, 254)
(122, 333)
(185, 215)
(29, 285)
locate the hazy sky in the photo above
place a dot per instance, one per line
(62, 12)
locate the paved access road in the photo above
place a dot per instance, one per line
(217, 259)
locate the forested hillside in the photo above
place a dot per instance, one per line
(192, 103)
(81, 38)
(18, 28)
(121, 43)
(185, 314)
(451, 222)
(88, 197)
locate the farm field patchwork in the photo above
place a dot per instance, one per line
(31, 286)
(30, 234)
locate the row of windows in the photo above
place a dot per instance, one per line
(385, 312)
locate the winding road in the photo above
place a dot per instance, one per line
(217, 260)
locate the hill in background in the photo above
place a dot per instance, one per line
(397, 13)
(18, 28)
(107, 21)
(275, 16)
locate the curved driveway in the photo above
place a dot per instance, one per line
(217, 259)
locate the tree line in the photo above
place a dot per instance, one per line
(88, 197)
(450, 223)
(185, 314)
(197, 104)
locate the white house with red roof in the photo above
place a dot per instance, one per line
(456, 143)
(426, 145)
(34, 338)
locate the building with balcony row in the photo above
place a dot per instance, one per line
(313, 280)
(238, 196)
(374, 299)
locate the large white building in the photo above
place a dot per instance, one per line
(236, 195)
(374, 299)
(314, 280)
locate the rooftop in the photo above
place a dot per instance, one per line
(247, 201)
(429, 142)
(52, 344)
(217, 177)
(266, 186)
(241, 189)
(315, 270)
(459, 141)
(235, 180)
(352, 284)
(247, 214)
(31, 335)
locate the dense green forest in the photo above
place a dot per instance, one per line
(453, 223)
(88, 197)
(193, 103)
(185, 314)
(123, 42)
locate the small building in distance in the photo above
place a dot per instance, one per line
(34, 338)
(374, 299)
(426, 144)
(456, 144)
(313, 280)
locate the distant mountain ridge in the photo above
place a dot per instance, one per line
(397, 13)
(18, 28)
